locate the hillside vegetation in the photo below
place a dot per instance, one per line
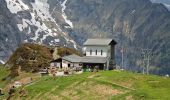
(62, 51)
(4, 72)
(103, 85)
(31, 57)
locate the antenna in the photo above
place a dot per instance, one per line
(146, 53)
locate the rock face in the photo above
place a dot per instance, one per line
(165, 2)
(10, 36)
(134, 24)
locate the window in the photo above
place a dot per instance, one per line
(101, 52)
(90, 52)
(96, 52)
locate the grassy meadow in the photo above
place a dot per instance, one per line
(3, 73)
(103, 85)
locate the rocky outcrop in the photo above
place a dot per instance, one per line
(10, 36)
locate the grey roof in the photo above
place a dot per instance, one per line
(85, 59)
(94, 59)
(72, 58)
(98, 42)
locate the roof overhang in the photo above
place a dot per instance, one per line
(100, 60)
(72, 58)
(100, 42)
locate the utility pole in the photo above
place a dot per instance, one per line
(146, 53)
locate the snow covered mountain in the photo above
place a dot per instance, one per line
(34, 22)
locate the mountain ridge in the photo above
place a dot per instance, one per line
(165, 2)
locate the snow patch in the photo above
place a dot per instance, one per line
(43, 13)
(16, 5)
(2, 62)
(63, 5)
(74, 44)
(6, 39)
(54, 42)
(167, 5)
(164, 2)
(23, 25)
(72, 41)
(25, 41)
(42, 10)
(36, 34)
(133, 11)
(57, 40)
(29, 30)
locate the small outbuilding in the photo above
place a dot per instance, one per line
(71, 61)
(56, 63)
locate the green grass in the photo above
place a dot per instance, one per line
(4, 72)
(103, 85)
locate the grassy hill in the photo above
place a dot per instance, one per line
(30, 58)
(103, 85)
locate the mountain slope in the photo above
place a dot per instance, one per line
(134, 24)
(165, 2)
(10, 36)
(30, 21)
